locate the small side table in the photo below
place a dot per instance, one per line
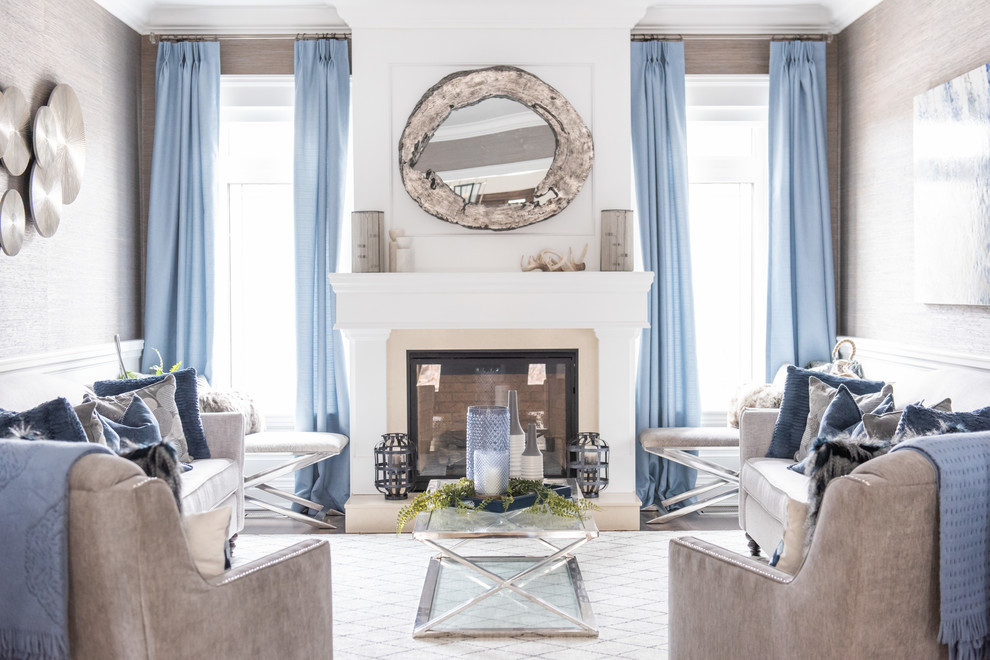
(674, 443)
(308, 447)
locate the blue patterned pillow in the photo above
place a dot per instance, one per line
(138, 426)
(186, 400)
(794, 407)
(918, 421)
(52, 420)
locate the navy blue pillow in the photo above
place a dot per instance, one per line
(52, 420)
(138, 426)
(918, 421)
(793, 415)
(186, 400)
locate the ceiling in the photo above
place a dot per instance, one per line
(670, 16)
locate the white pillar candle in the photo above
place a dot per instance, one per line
(491, 472)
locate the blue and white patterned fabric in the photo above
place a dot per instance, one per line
(917, 421)
(34, 582)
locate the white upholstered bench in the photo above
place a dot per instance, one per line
(307, 448)
(674, 444)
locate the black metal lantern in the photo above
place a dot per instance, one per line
(395, 466)
(587, 462)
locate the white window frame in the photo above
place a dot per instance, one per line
(738, 99)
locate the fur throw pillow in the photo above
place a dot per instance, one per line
(830, 460)
(160, 460)
(753, 395)
(231, 401)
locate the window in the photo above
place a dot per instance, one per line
(727, 178)
(254, 345)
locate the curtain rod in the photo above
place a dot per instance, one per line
(155, 38)
(827, 38)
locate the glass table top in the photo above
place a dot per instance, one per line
(450, 523)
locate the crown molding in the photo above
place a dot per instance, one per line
(770, 17)
(668, 16)
(488, 14)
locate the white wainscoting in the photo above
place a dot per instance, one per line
(883, 360)
(83, 364)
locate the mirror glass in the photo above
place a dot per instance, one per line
(490, 153)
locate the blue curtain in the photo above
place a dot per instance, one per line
(322, 78)
(667, 391)
(801, 291)
(178, 309)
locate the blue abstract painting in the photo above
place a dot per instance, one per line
(952, 191)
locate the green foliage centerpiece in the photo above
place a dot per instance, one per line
(457, 494)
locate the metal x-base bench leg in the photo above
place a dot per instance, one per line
(308, 448)
(674, 444)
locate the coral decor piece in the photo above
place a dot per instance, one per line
(550, 261)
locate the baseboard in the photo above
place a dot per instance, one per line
(81, 364)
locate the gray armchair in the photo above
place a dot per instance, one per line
(134, 591)
(868, 587)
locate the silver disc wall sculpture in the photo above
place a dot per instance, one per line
(46, 139)
(13, 128)
(11, 222)
(71, 158)
(46, 199)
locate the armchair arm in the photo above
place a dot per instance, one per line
(225, 435)
(755, 432)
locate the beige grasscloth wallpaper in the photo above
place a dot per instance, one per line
(82, 285)
(899, 49)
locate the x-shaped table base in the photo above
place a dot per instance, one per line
(579, 623)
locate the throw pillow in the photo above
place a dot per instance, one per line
(881, 427)
(160, 399)
(918, 421)
(138, 425)
(186, 400)
(206, 534)
(231, 401)
(793, 417)
(842, 421)
(90, 420)
(820, 395)
(53, 420)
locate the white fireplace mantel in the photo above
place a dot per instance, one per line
(612, 304)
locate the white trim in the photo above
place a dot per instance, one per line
(83, 358)
(922, 357)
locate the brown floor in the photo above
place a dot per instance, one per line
(725, 519)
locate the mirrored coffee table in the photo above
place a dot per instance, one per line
(504, 594)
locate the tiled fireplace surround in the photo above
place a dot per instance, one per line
(382, 315)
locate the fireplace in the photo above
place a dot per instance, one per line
(440, 385)
(385, 315)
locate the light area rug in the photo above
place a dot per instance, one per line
(378, 580)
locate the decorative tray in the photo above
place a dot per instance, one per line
(518, 502)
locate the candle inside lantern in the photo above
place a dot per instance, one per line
(491, 472)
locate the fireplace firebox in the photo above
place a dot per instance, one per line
(440, 385)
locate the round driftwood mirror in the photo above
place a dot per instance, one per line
(494, 148)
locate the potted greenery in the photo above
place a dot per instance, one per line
(546, 498)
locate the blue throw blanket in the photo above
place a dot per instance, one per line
(34, 585)
(962, 464)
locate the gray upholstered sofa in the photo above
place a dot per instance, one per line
(773, 500)
(135, 593)
(212, 483)
(868, 585)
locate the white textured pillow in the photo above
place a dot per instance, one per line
(206, 534)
